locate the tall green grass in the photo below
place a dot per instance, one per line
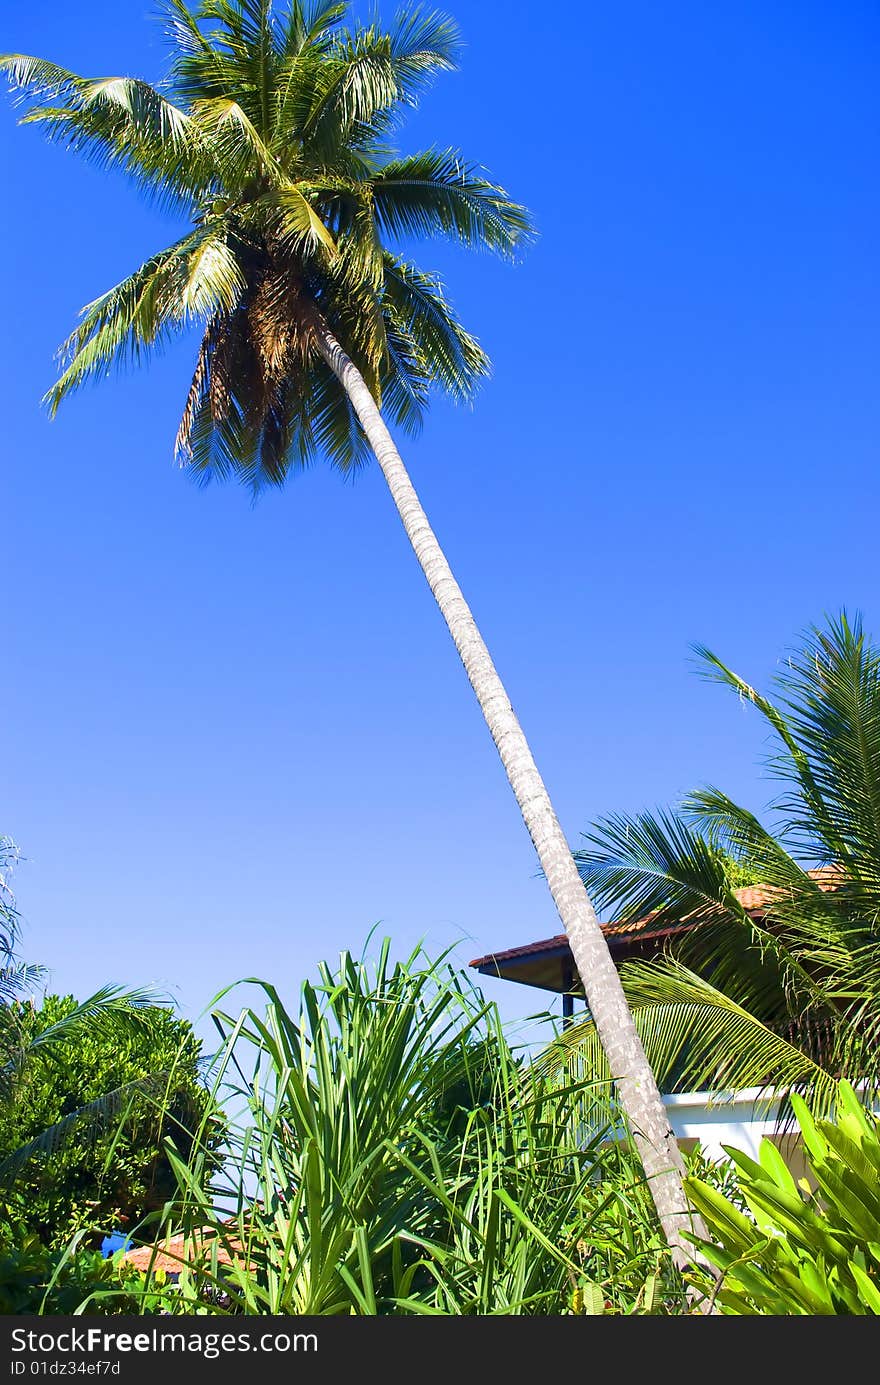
(390, 1152)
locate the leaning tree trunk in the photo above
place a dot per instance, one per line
(637, 1089)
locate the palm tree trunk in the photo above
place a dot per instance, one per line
(639, 1095)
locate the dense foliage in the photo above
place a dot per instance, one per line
(34, 1279)
(811, 1246)
(92, 1113)
(391, 1155)
(388, 1152)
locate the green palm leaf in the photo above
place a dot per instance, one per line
(195, 277)
(699, 1038)
(414, 302)
(117, 122)
(437, 193)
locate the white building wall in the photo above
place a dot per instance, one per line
(741, 1119)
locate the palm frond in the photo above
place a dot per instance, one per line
(352, 85)
(37, 79)
(350, 300)
(423, 43)
(798, 764)
(195, 277)
(697, 1037)
(804, 962)
(738, 831)
(311, 25)
(246, 35)
(653, 864)
(111, 1010)
(335, 426)
(17, 978)
(201, 67)
(213, 279)
(405, 381)
(656, 868)
(437, 193)
(416, 306)
(241, 156)
(254, 408)
(292, 219)
(10, 854)
(197, 400)
(118, 122)
(830, 688)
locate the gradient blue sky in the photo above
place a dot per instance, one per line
(236, 737)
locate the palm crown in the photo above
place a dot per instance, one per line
(272, 136)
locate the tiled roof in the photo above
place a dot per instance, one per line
(757, 897)
(170, 1255)
(753, 898)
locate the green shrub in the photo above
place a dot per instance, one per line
(94, 1110)
(34, 1279)
(809, 1247)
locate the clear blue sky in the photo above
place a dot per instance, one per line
(235, 737)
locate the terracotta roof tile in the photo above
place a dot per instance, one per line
(170, 1255)
(753, 898)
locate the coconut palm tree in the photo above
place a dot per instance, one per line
(272, 137)
(778, 986)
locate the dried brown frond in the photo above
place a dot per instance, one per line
(200, 383)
